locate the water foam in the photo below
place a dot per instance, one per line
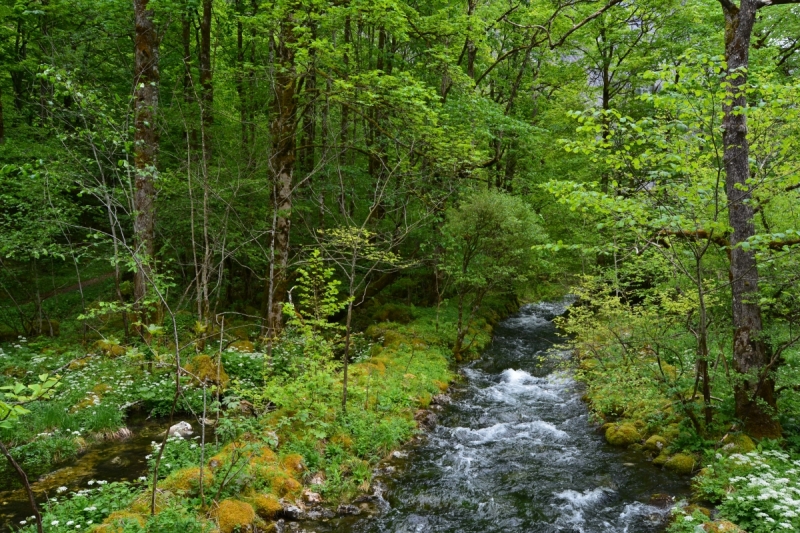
(576, 503)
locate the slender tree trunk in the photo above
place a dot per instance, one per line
(344, 124)
(23, 477)
(206, 86)
(240, 75)
(754, 389)
(2, 121)
(471, 48)
(347, 346)
(282, 163)
(146, 80)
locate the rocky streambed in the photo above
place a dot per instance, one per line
(511, 449)
(514, 451)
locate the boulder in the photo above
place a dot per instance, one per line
(181, 429)
(656, 443)
(662, 458)
(311, 498)
(293, 512)
(622, 434)
(242, 346)
(681, 463)
(721, 526)
(235, 515)
(738, 443)
(204, 368)
(348, 510)
(266, 505)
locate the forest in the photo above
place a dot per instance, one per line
(248, 249)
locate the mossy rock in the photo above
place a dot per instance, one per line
(266, 505)
(283, 485)
(682, 463)
(235, 515)
(120, 521)
(188, 479)
(230, 450)
(293, 463)
(721, 526)
(655, 443)
(622, 434)
(392, 338)
(662, 458)
(738, 443)
(141, 504)
(205, 368)
(263, 456)
(109, 348)
(242, 346)
(690, 509)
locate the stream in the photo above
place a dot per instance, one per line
(515, 452)
(115, 460)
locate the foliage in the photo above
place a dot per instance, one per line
(757, 490)
(85, 508)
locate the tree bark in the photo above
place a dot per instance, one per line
(2, 122)
(146, 79)
(206, 86)
(282, 163)
(754, 389)
(23, 477)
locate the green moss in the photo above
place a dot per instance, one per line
(205, 368)
(266, 505)
(681, 463)
(121, 521)
(235, 515)
(655, 443)
(243, 346)
(188, 479)
(721, 526)
(662, 458)
(738, 443)
(622, 434)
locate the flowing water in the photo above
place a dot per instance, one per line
(516, 452)
(116, 460)
(513, 452)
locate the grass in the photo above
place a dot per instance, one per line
(402, 358)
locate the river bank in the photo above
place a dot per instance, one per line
(303, 449)
(515, 451)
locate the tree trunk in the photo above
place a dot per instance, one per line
(2, 122)
(206, 87)
(754, 389)
(346, 357)
(146, 79)
(240, 75)
(23, 477)
(282, 162)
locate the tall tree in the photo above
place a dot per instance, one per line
(282, 165)
(755, 388)
(146, 81)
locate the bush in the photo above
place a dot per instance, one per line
(758, 490)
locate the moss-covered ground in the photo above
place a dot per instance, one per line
(279, 430)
